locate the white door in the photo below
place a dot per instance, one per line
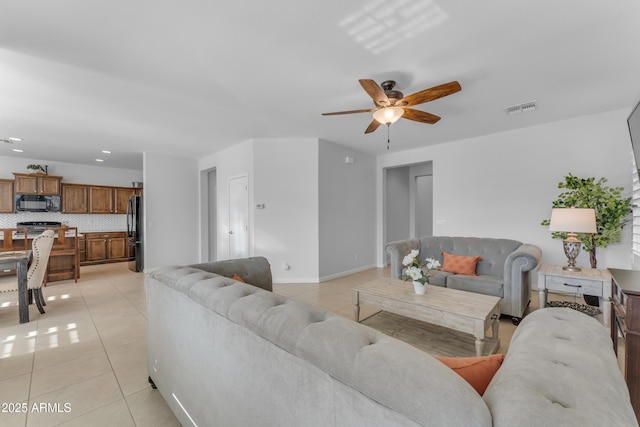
(212, 215)
(238, 217)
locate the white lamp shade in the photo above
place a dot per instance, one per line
(575, 220)
(388, 115)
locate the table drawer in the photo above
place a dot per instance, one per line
(574, 286)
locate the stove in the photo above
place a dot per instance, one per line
(37, 226)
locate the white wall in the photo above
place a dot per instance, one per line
(347, 211)
(300, 211)
(229, 163)
(171, 210)
(286, 230)
(502, 185)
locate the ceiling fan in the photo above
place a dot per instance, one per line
(391, 104)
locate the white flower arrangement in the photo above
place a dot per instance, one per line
(415, 270)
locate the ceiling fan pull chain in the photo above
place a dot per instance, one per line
(388, 140)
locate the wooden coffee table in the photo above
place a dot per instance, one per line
(462, 311)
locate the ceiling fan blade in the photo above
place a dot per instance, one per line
(372, 126)
(375, 92)
(430, 94)
(348, 112)
(420, 116)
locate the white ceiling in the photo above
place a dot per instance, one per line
(191, 77)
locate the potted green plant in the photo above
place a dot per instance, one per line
(612, 212)
(35, 168)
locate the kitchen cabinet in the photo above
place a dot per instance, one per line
(121, 197)
(36, 183)
(101, 200)
(106, 247)
(74, 198)
(95, 199)
(6, 196)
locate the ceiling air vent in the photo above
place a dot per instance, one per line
(520, 108)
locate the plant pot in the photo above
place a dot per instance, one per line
(419, 288)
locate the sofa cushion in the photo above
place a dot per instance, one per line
(487, 285)
(459, 264)
(493, 252)
(477, 371)
(438, 277)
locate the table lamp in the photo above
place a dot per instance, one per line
(572, 221)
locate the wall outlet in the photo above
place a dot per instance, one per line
(286, 266)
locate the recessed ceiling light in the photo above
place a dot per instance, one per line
(17, 150)
(106, 151)
(99, 160)
(15, 139)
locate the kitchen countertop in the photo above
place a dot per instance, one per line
(20, 236)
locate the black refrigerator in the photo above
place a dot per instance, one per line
(135, 232)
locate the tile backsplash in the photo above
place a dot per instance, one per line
(84, 222)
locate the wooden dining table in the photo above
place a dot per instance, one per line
(20, 261)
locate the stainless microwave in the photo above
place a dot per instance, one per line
(37, 203)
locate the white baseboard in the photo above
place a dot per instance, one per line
(279, 280)
(346, 273)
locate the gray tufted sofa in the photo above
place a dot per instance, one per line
(503, 271)
(225, 353)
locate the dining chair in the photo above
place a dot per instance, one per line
(41, 247)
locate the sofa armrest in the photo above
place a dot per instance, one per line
(517, 287)
(397, 251)
(560, 363)
(255, 271)
(525, 258)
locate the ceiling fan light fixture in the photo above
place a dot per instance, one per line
(388, 115)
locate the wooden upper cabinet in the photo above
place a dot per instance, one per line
(50, 184)
(101, 200)
(121, 196)
(6, 196)
(26, 183)
(75, 198)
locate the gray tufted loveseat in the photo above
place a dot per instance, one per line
(225, 353)
(503, 271)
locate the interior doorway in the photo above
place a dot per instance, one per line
(239, 217)
(408, 202)
(423, 194)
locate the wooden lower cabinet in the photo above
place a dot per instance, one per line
(625, 321)
(105, 247)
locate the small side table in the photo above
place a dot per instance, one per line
(589, 281)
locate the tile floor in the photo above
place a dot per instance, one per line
(87, 353)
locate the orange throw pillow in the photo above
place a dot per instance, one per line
(238, 278)
(477, 371)
(459, 264)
